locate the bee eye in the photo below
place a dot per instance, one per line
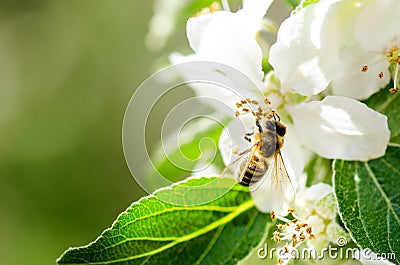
(270, 125)
(280, 129)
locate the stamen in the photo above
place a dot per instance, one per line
(294, 232)
(250, 106)
(364, 68)
(286, 249)
(395, 79)
(380, 75)
(393, 56)
(277, 237)
(273, 216)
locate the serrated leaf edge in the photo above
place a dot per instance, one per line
(387, 200)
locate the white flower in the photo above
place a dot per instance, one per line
(227, 38)
(314, 222)
(336, 127)
(341, 128)
(329, 42)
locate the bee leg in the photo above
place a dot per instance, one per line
(259, 126)
(247, 136)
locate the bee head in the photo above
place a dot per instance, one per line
(276, 125)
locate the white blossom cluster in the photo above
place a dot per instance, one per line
(327, 57)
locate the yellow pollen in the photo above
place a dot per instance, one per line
(286, 249)
(364, 68)
(273, 216)
(393, 55)
(380, 75)
(294, 243)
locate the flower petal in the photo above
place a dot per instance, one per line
(377, 26)
(215, 84)
(295, 58)
(268, 198)
(229, 38)
(351, 82)
(333, 24)
(343, 128)
(295, 155)
(232, 138)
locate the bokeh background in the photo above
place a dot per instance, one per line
(67, 72)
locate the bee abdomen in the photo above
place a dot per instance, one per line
(252, 173)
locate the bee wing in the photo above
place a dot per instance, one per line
(279, 178)
(231, 169)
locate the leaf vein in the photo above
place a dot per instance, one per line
(191, 208)
(387, 103)
(385, 197)
(250, 223)
(238, 210)
(210, 244)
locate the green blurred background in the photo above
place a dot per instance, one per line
(67, 72)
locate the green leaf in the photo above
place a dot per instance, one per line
(388, 104)
(151, 231)
(293, 3)
(368, 192)
(305, 3)
(318, 170)
(369, 201)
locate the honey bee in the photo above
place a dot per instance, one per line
(264, 159)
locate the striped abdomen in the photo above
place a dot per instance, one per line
(255, 170)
